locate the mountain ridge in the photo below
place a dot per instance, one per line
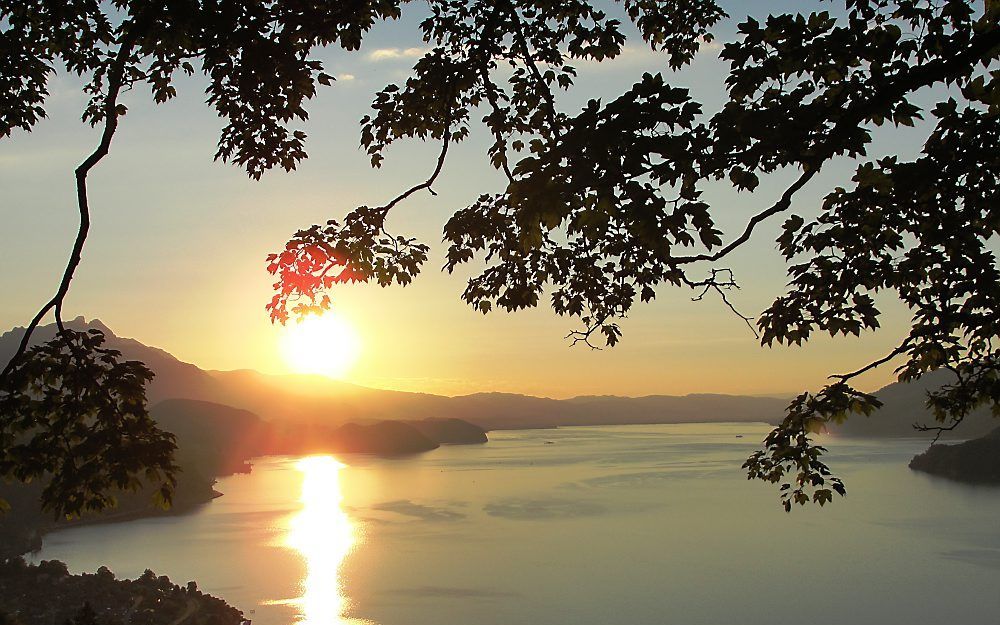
(311, 399)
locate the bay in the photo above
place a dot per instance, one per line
(652, 524)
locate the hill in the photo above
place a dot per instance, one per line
(976, 461)
(218, 439)
(903, 405)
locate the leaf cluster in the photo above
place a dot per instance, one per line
(73, 414)
(256, 57)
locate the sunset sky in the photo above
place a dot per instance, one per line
(176, 253)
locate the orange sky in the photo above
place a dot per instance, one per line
(176, 255)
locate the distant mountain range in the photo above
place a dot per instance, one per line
(316, 400)
(319, 400)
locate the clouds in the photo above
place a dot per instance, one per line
(395, 54)
(709, 46)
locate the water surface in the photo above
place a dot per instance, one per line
(576, 526)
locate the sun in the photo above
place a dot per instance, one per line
(325, 344)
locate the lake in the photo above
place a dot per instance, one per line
(577, 526)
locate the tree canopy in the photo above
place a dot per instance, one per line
(604, 206)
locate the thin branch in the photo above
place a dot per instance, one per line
(426, 184)
(783, 203)
(491, 96)
(116, 79)
(844, 377)
(583, 336)
(905, 82)
(529, 60)
(940, 429)
(491, 91)
(712, 284)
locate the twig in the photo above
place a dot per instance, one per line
(426, 184)
(712, 284)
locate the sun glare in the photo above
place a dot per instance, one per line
(324, 535)
(325, 344)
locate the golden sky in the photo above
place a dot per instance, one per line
(176, 254)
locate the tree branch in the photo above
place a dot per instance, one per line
(491, 92)
(712, 284)
(426, 184)
(781, 205)
(844, 377)
(529, 60)
(905, 82)
(116, 80)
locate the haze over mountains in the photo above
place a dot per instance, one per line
(317, 400)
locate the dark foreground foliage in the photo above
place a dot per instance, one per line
(47, 593)
(74, 415)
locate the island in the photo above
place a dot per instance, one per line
(450, 431)
(385, 438)
(221, 439)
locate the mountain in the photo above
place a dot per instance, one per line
(316, 400)
(304, 400)
(171, 373)
(903, 405)
(976, 461)
(218, 439)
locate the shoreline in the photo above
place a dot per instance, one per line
(188, 507)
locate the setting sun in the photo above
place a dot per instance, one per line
(326, 344)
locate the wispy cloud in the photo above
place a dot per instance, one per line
(636, 55)
(394, 54)
(345, 77)
(710, 46)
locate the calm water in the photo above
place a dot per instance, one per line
(601, 525)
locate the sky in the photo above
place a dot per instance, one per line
(176, 253)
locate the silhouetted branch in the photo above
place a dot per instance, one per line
(783, 204)
(712, 284)
(940, 429)
(116, 80)
(529, 60)
(426, 184)
(491, 97)
(491, 92)
(844, 377)
(583, 336)
(906, 82)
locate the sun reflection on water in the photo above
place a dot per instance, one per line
(324, 535)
